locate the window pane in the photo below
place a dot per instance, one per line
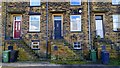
(18, 18)
(75, 2)
(115, 26)
(98, 17)
(100, 33)
(75, 22)
(57, 18)
(78, 43)
(34, 2)
(35, 18)
(115, 2)
(116, 18)
(75, 45)
(99, 25)
(34, 25)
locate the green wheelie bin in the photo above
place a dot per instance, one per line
(93, 55)
(6, 56)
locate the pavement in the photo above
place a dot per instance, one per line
(49, 65)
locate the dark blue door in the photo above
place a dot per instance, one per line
(57, 29)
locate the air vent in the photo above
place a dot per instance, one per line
(35, 45)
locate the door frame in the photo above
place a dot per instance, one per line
(61, 24)
(103, 20)
(13, 21)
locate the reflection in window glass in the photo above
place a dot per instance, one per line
(115, 2)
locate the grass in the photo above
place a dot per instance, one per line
(68, 62)
(114, 62)
(8, 67)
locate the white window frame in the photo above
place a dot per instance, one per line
(30, 22)
(78, 24)
(35, 2)
(77, 44)
(116, 22)
(115, 2)
(75, 1)
(35, 44)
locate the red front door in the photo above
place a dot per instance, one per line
(17, 28)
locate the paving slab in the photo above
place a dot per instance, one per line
(47, 65)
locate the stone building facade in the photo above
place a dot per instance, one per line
(67, 35)
(108, 27)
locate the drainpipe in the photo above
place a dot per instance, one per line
(89, 26)
(47, 29)
(5, 22)
(6, 19)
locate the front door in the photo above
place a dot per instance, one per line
(99, 26)
(57, 27)
(17, 27)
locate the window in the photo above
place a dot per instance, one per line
(17, 18)
(77, 45)
(75, 2)
(35, 44)
(34, 23)
(34, 2)
(115, 2)
(99, 26)
(116, 22)
(75, 22)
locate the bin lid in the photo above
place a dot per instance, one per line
(93, 50)
(106, 52)
(7, 51)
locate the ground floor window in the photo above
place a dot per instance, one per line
(34, 23)
(77, 45)
(75, 22)
(35, 44)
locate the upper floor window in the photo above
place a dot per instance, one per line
(34, 2)
(116, 22)
(115, 2)
(75, 2)
(34, 23)
(75, 22)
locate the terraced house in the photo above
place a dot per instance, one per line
(66, 30)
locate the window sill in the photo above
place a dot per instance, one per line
(75, 4)
(35, 6)
(36, 49)
(34, 32)
(75, 31)
(116, 31)
(34, 13)
(77, 49)
(115, 4)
